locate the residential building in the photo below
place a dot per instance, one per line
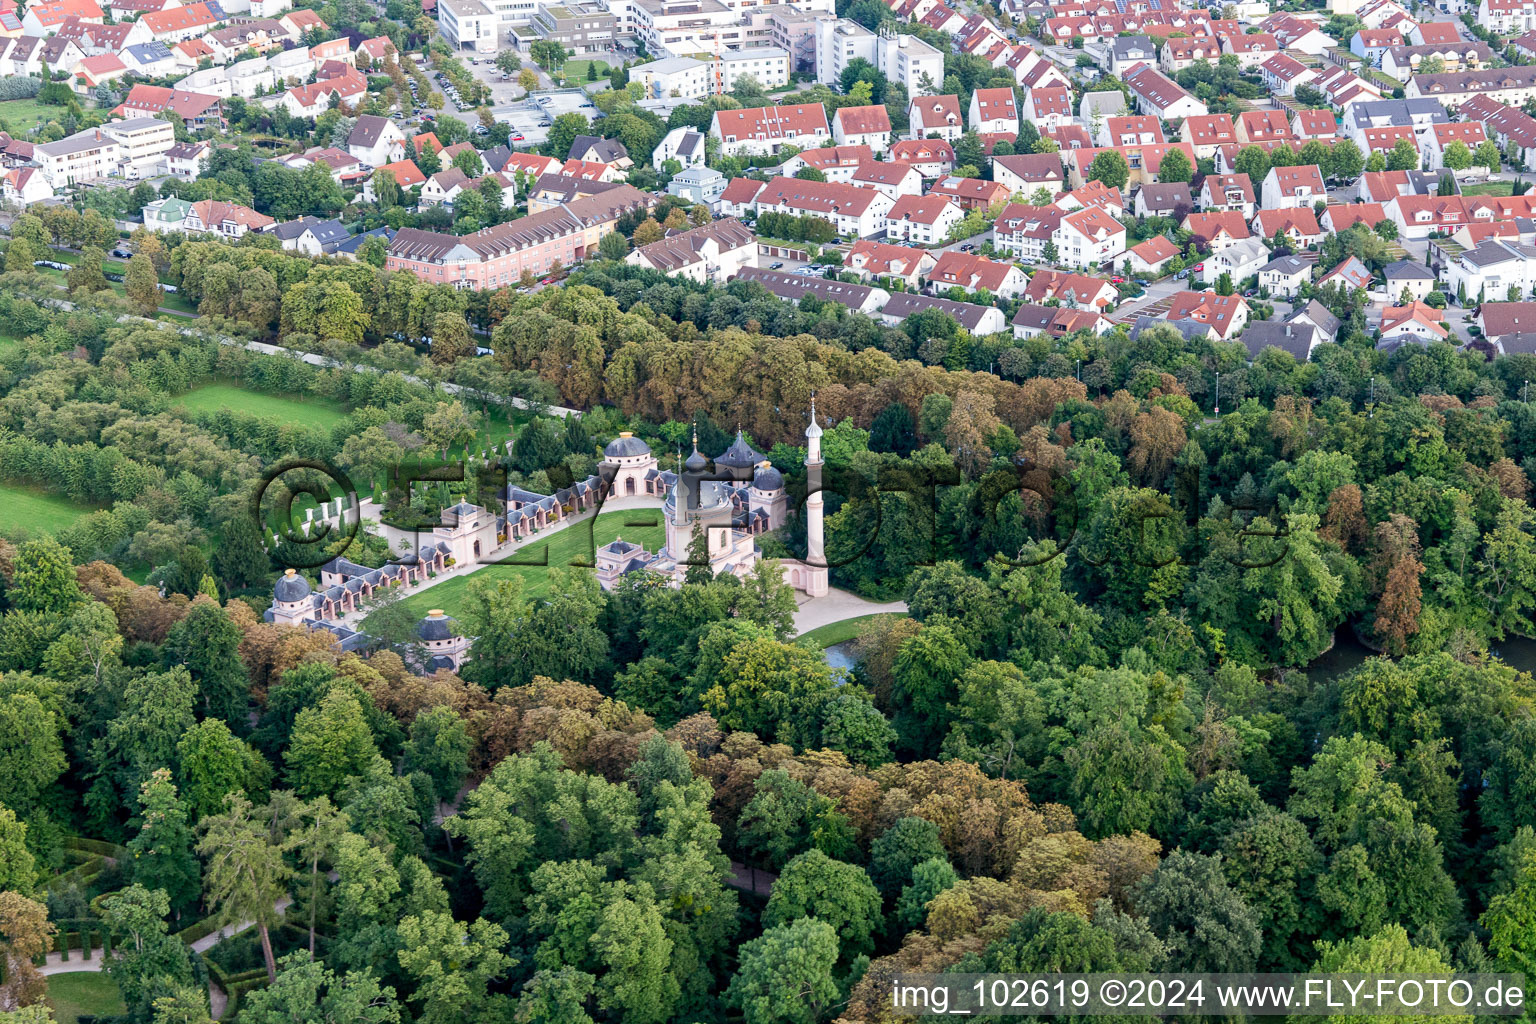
(468, 25)
(1284, 277)
(376, 141)
(1297, 339)
(929, 116)
(1403, 62)
(45, 18)
(187, 160)
(1206, 132)
(1417, 216)
(934, 157)
(1179, 53)
(1289, 188)
(836, 162)
(924, 220)
(1307, 125)
(971, 193)
(1225, 315)
(1512, 85)
(24, 185)
(315, 99)
(1089, 237)
(1033, 320)
(1048, 107)
(862, 126)
(174, 24)
(1343, 216)
(765, 130)
(992, 111)
(685, 145)
(1315, 315)
(879, 261)
(144, 143)
(1252, 50)
(911, 61)
(1409, 276)
(1349, 275)
(497, 256)
(1026, 173)
(1171, 200)
(1415, 322)
(794, 287)
(1142, 130)
(1218, 229)
(1488, 271)
(978, 320)
(1469, 133)
(580, 27)
(971, 273)
(698, 184)
(1228, 192)
(1074, 291)
(713, 253)
(854, 212)
(311, 236)
(1023, 231)
(1150, 258)
(1240, 261)
(1158, 94)
(93, 153)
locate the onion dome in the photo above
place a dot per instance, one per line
(767, 478)
(739, 455)
(291, 587)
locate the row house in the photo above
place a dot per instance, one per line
(1343, 88)
(1370, 43)
(1295, 33)
(891, 179)
(1032, 71)
(1143, 161)
(196, 110)
(1033, 320)
(1508, 126)
(930, 116)
(94, 38)
(126, 10)
(929, 157)
(1205, 133)
(854, 212)
(1048, 107)
(761, 131)
(837, 163)
(1513, 85)
(1227, 193)
(1299, 227)
(1420, 115)
(43, 19)
(1251, 51)
(498, 256)
(971, 193)
(1402, 62)
(711, 254)
(1158, 94)
(175, 24)
(874, 261)
(862, 126)
(1096, 195)
(1026, 173)
(1307, 125)
(1469, 133)
(922, 220)
(1074, 291)
(1417, 216)
(1283, 74)
(971, 273)
(1385, 14)
(1343, 216)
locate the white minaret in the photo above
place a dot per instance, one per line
(814, 553)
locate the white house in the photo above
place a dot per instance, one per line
(685, 145)
(862, 126)
(852, 211)
(925, 220)
(376, 141)
(714, 253)
(765, 130)
(1089, 237)
(93, 153)
(1242, 259)
(993, 111)
(1289, 188)
(935, 115)
(1284, 276)
(144, 142)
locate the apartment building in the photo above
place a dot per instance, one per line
(579, 27)
(765, 130)
(468, 25)
(498, 256)
(144, 143)
(692, 78)
(92, 153)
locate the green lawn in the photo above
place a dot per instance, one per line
(834, 633)
(213, 397)
(1491, 188)
(83, 994)
(575, 71)
(23, 115)
(36, 511)
(567, 545)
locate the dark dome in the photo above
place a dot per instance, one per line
(626, 444)
(696, 463)
(739, 455)
(436, 626)
(291, 587)
(768, 479)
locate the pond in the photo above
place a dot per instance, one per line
(840, 655)
(1348, 654)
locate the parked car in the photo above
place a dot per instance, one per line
(775, 266)
(122, 254)
(1117, 280)
(546, 123)
(515, 137)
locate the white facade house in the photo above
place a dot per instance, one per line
(765, 130)
(144, 142)
(714, 253)
(93, 153)
(1290, 188)
(1490, 270)
(1242, 259)
(685, 145)
(910, 61)
(925, 220)
(468, 25)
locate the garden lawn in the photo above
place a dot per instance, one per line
(834, 633)
(22, 115)
(83, 994)
(213, 397)
(564, 546)
(1491, 188)
(575, 71)
(37, 511)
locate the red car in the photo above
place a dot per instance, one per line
(1198, 267)
(516, 137)
(549, 280)
(1117, 280)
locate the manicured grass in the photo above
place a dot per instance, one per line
(575, 71)
(213, 397)
(83, 994)
(36, 511)
(564, 546)
(834, 633)
(1491, 188)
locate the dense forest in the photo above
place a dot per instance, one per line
(1101, 738)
